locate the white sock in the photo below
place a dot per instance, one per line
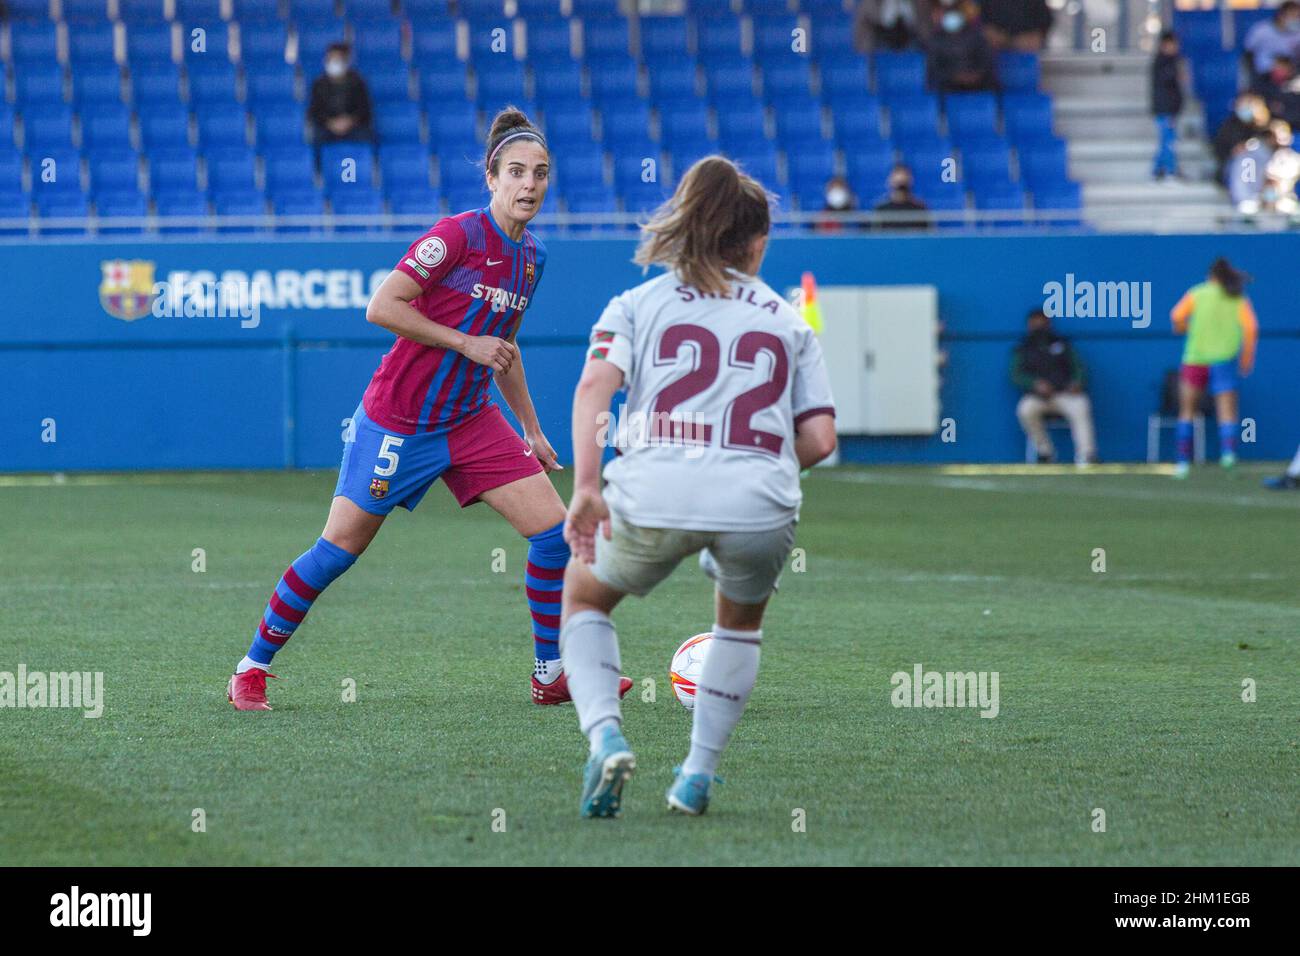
(247, 664)
(1293, 469)
(596, 735)
(721, 693)
(589, 649)
(547, 671)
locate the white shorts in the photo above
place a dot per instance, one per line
(745, 565)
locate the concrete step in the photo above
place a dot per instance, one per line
(1135, 170)
(1104, 84)
(1148, 193)
(1094, 64)
(1136, 148)
(1081, 106)
(1133, 126)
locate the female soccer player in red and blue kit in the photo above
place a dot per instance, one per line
(455, 302)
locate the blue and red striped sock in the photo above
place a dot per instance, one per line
(548, 553)
(301, 584)
(1184, 434)
(1227, 438)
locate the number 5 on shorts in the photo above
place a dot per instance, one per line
(388, 456)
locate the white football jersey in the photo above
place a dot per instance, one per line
(714, 388)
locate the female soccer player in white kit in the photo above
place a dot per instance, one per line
(732, 387)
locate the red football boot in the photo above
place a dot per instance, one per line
(557, 691)
(247, 691)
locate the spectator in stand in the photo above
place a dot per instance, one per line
(1283, 169)
(1016, 24)
(340, 102)
(961, 60)
(839, 198)
(891, 24)
(1269, 39)
(1167, 102)
(1280, 89)
(1247, 173)
(1046, 368)
(1249, 119)
(901, 200)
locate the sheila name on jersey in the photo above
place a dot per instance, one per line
(500, 299)
(742, 294)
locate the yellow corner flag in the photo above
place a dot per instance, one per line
(812, 312)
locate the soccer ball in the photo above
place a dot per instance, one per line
(684, 671)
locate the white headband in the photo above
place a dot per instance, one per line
(525, 132)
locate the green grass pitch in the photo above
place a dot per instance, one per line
(1119, 690)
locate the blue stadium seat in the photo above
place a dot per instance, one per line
(92, 12)
(595, 9)
(91, 45)
(55, 171)
(378, 46)
(1004, 197)
(96, 85)
(403, 167)
(134, 12)
(453, 128)
(899, 74)
(214, 85)
(729, 79)
(628, 122)
(673, 82)
(416, 202)
(17, 205)
(1028, 117)
(28, 10)
(913, 117)
(761, 164)
(164, 129)
(266, 43)
(703, 9)
(638, 196)
(48, 129)
(313, 11)
(569, 128)
(156, 83)
(768, 8)
(809, 169)
(581, 168)
(774, 38)
(214, 45)
(1044, 164)
(1060, 197)
(359, 202)
(684, 124)
(33, 43)
(289, 169)
(741, 129)
(313, 40)
(928, 158)
(303, 203)
(663, 38)
(426, 10)
(106, 127)
(718, 36)
(173, 170)
(230, 169)
(149, 42)
(398, 123)
(279, 125)
(1199, 31)
(390, 86)
(558, 81)
(38, 85)
(798, 123)
(1216, 75)
(832, 38)
(115, 171)
(443, 84)
(537, 9)
(433, 43)
(7, 125)
(66, 206)
(239, 203)
(857, 125)
(614, 83)
(605, 41)
(362, 10)
(271, 85)
(989, 162)
(940, 198)
(786, 80)
(222, 130)
(549, 41)
(199, 10)
(1018, 72)
(500, 81)
(346, 167)
(868, 171)
(11, 169)
(845, 78)
(184, 205)
(971, 116)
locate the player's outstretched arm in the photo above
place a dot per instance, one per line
(514, 389)
(814, 439)
(588, 512)
(390, 308)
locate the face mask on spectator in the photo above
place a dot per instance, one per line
(953, 21)
(1245, 114)
(837, 197)
(335, 68)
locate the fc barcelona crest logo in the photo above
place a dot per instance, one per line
(529, 272)
(378, 487)
(126, 290)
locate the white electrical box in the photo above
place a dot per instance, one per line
(882, 354)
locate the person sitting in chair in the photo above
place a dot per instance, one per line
(1046, 368)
